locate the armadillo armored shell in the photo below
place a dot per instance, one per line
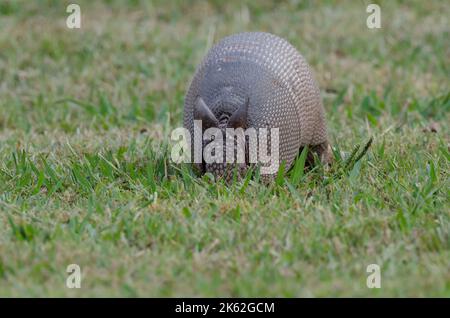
(271, 74)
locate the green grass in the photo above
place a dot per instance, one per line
(85, 175)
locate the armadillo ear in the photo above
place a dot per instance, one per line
(239, 117)
(203, 113)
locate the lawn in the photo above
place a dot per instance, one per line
(86, 176)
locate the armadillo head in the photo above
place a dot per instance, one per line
(229, 143)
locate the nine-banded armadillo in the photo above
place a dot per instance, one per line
(258, 80)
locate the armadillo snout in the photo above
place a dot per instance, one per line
(224, 168)
(226, 171)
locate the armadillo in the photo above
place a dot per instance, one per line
(259, 80)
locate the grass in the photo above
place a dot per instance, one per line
(85, 175)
